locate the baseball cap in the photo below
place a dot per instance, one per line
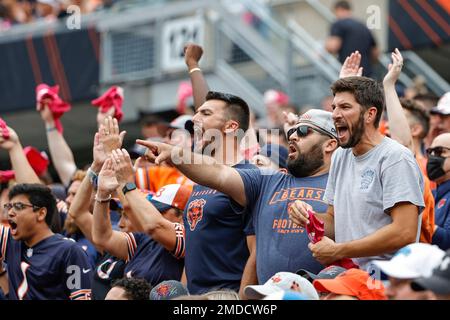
(443, 105)
(170, 196)
(286, 295)
(181, 122)
(168, 290)
(353, 282)
(274, 96)
(330, 272)
(321, 119)
(413, 261)
(277, 153)
(282, 281)
(438, 281)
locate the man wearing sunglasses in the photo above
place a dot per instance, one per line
(438, 169)
(41, 265)
(267, 194)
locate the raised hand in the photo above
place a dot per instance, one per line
(350, 67)
(11, 141)
(394, 68)
(110, 136)
(107, 181)
(122, 166)
(192, 54)
(45, 112)
(101, 116)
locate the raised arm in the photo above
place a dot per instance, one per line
(192, 56)
(398, 123)
(60, 152)
(201, 169)
(142, 214)
(104, 237)
(23, 171)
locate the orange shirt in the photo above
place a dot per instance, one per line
(427, 227)
(154, 178)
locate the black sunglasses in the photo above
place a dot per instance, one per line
(19, 206)
(436, 151)
(304, 131)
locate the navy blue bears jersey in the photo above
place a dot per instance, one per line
(53, 269)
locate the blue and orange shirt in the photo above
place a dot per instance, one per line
(280, 244)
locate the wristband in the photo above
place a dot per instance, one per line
(96, 198)
(51, 129)
(194, 69)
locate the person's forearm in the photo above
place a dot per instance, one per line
(61, 154)
(23, 171)
(199, 86)
(398, 123)
(144, 216)
(388, 239)
(101, 228)
(249, 276)
(79, 209)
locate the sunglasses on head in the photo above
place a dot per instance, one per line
(436, 151)
(304, 131)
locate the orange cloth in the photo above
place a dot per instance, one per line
(427, 227)
(154, 178)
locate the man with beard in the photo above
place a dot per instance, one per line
(374, 191)
(267, 194)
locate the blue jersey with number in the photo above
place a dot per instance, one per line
(53, 269)
(216, 232)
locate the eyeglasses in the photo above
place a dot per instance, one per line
(304, 131)
(19, 206)
(436, 151)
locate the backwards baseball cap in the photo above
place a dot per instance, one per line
(168, 290)
(282, 281)
(330, 272)
(319, 118)
(439, 281)
(170, 196)
(353, 282)
(413, 261)
(443, 105)
(275, 152)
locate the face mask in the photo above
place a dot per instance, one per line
(434, 167)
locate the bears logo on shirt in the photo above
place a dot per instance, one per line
(195, 212)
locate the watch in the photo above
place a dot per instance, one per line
(130, 186)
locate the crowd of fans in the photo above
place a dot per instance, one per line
(347, 202)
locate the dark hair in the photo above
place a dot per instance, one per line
(342, 4)
(367, 92)
(135, 288)
(419, 113)
(40, 196)
(237, 108)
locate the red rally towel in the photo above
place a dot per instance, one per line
(113, 98)
(49, 95)
(4, 127)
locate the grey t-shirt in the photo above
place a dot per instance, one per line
(364, 188)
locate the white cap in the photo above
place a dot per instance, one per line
(282, 281)
(443, 106)
(413, 261)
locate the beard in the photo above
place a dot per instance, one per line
(306, 163)
(355, 137)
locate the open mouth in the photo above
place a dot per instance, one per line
(342, 130)
(292, 152)
(12, 226)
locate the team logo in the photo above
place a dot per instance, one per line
(367, 178)
(195, 212)
(295, 286)
(276, 279)
(441, 203)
